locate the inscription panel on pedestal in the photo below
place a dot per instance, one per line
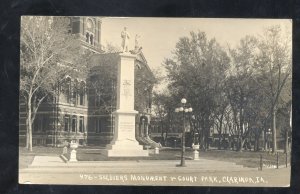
(127, 126)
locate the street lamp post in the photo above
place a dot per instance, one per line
(184, 110)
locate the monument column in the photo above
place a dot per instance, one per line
(124, 143)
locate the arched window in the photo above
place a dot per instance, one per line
(90, 28)
(74, 123)
(67, 123)
(81, 124)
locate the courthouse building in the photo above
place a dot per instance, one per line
(82, 107)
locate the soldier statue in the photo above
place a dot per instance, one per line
(125, 39)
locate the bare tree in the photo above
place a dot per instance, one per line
(48, 53)
(275, 65)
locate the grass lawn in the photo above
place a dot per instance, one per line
(245, 158)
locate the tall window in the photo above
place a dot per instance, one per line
(98, 125)
(74, 120)
(74, 93)
(68, 89)
(81, 124)
(81, 94)
(67, 122)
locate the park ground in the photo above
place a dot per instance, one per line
(246, 158)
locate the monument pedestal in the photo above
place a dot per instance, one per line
(124, 143)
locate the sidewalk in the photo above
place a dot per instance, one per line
(45, 162)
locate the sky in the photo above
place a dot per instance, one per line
(158, 36)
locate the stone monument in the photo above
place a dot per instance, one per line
(124, 143)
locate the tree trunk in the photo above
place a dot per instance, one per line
(256, 144)
(239, 139)
(207, 134)
(241, 131)
(201, 135)
(274, 146)
(220, 134)
(240, 146)
(200, 142)
(27, 133)
(203, 139)
(286, 147)
(207, 139)
(265, 139)
(257, 141)
(29, 125)
(166, 138)
(162, 134)
(30, 137)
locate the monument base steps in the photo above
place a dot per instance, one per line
(125, 148)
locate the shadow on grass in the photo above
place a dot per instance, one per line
(83, 155)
